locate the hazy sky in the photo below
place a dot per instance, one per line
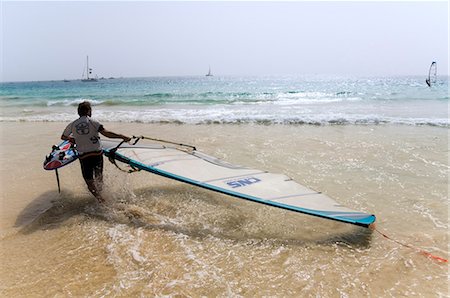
(50, 40)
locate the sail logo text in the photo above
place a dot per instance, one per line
(242, 182)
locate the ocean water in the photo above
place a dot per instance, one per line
(378, 145)
(201, 100)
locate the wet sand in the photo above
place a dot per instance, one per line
(159, 237)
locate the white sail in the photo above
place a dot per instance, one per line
(432, 74)
(191, 166)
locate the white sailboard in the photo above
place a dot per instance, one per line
(184, 163)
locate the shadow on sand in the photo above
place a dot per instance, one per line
(50, 210)
(192, 212)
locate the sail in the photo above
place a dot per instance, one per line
(188, 165)
(432, 74)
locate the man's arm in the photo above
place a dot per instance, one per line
(68, 138)
(67, 134)
(113, 135)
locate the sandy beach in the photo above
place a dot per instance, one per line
(324, 115)
(158, 237)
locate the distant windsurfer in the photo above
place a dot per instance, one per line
(432, 74)
(84, 132)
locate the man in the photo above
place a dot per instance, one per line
(84, 132)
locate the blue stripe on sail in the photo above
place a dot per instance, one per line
(356, 218)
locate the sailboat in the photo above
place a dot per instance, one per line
(88, 72)
(432, 74)
(209, 74)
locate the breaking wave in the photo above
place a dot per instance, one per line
(228, 117)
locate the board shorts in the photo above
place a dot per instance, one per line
(92, 165)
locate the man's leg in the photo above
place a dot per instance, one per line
(98, 177)
(89, 166)
(93, 188)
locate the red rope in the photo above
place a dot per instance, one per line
(439, 259)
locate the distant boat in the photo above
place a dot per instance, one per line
(209, 74)
(88, 71)
(432, 74)
(66, 81)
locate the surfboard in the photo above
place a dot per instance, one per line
(187, 164)
(60, 156)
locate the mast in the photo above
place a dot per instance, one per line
(88, 72)
(87, 67)
(209, 74)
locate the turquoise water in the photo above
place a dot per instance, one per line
(158, 237)
(286, 100)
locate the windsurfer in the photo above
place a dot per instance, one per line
(84, 132)
(432, 74)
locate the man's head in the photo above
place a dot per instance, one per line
(84, 109)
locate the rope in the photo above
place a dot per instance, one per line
(133, 169)
(111, 158)
(421, 251)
